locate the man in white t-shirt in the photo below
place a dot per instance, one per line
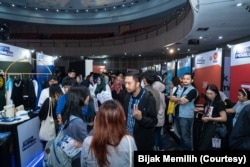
(45, 92)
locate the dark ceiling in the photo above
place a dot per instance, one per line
(120, 28)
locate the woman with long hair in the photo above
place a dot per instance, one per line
(110, 144)
(214, 113)
(75, 127)
(55, 92)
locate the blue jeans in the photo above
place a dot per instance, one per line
(158, 138)
(184, 129)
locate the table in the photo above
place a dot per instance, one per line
(25, 140)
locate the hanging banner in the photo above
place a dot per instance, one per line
(183, 66)
(240, 65)
(207, 71)
(11, 53)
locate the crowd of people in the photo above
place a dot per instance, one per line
(127, 107)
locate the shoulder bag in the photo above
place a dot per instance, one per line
(47, 130)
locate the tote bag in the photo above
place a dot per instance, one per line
(47, 129)
(171, 106)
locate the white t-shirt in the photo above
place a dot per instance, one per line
(43, 96)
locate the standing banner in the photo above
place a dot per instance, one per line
(240, 67)
(183, 66)
(226, 76)
(170, 74)
(207, 71)
(45, 64)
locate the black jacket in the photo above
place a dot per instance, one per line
(144, 129)
(240, 136)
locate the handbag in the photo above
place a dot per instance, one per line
(221, 129)
(47, 130)
(171, 107)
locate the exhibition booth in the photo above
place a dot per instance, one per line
(21, 78)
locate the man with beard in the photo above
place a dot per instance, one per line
(140, 109)
(184, 111)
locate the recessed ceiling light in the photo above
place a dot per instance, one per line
(47, 9)
(13, 5)
(220, 37)
(239, 4)
(201, 37)
(171, 51)
(57, 10)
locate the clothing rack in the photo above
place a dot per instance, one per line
(25, 73)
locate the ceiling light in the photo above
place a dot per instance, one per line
(57, 10)
(239, 4)
(201, 37)
(13, 5)
(188, 50)
(220, 37)
(86, 10)
(171, 51)
(47, 9)
(123, 5)
(178, 49)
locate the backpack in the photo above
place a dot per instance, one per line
(54, 156)
(88, 111)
